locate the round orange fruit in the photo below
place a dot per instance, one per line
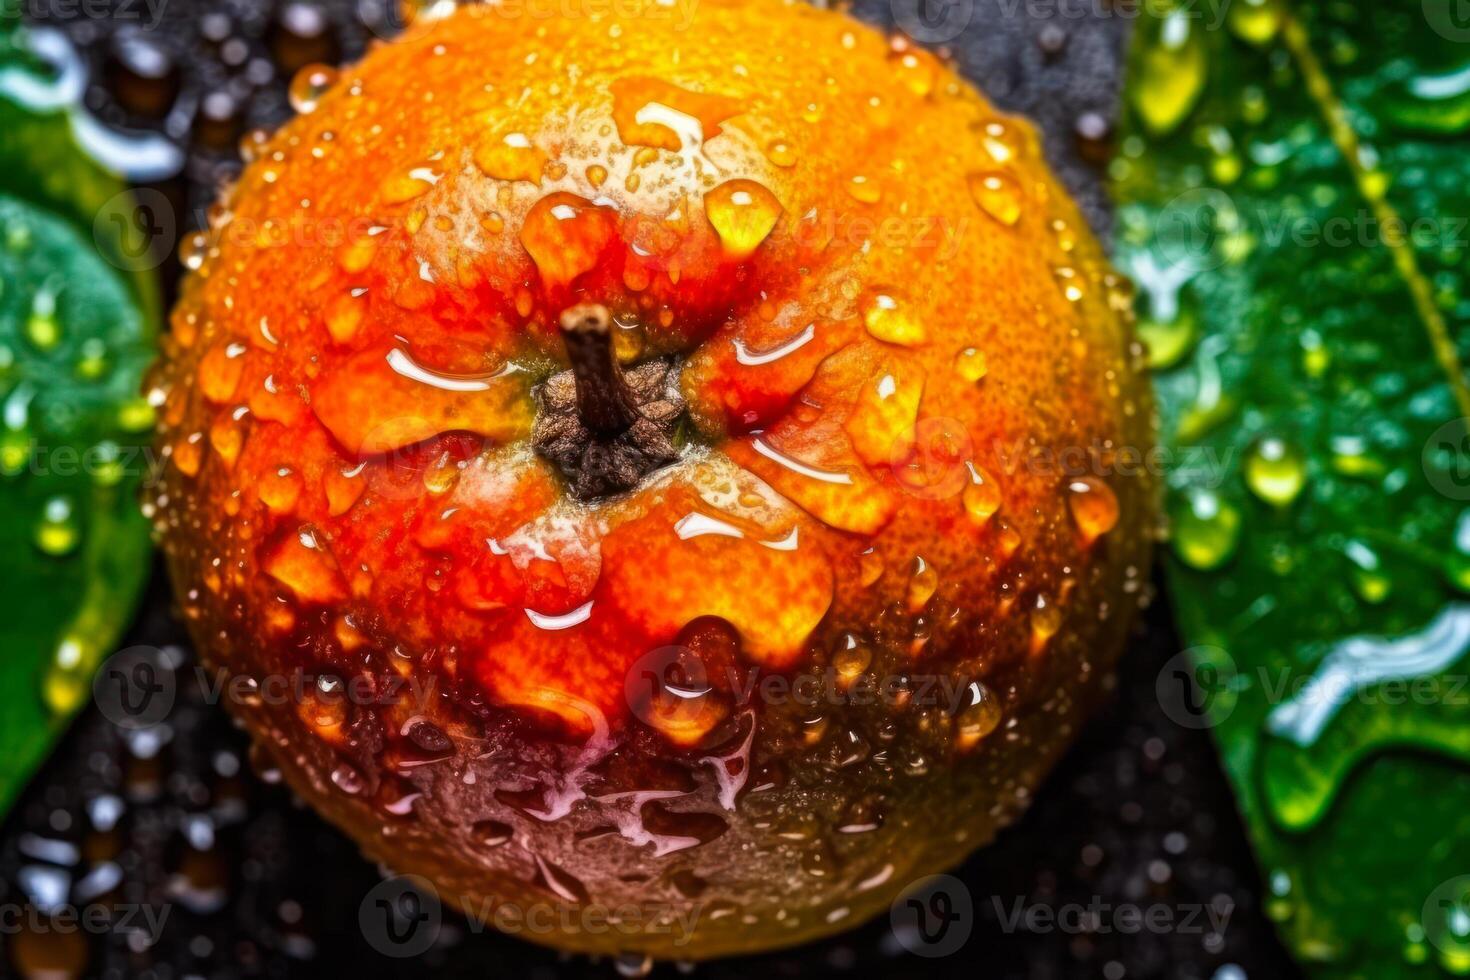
(692, 456)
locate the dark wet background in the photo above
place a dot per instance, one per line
(1138, 813)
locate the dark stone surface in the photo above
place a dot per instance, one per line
(1139, 812)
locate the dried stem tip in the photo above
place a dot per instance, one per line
(605, 403)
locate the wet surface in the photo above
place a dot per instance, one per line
(256, 885)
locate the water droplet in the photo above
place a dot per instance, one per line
(566, 235)
(1206, 530)
(1046, 621)
(1094, 507)
(864, 189)
(309, 85)
(1168, 341)
(780, 153)
(743, 213)
(42, 329)
(58, 532)
(512, 156)
(998, 194)
(1369, 580)
(982, 496)
(1275, 471)
(971, 364)
(280, 489)
(68, 680)
(1071, 283)
(923, 583)
(344, 315)
(889, 320)
(1170, 69)
(980, 715)
(633, 965)
(851, 659)
(1255, 21)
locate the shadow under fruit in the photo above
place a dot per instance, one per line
(693, 467)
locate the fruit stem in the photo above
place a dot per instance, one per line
(605, 403)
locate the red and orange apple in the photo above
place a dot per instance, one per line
(671, 411)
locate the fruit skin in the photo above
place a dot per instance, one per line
(468, 183)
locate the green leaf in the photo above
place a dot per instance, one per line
(1292, 186)
(75, 338)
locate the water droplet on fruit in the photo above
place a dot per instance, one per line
(344, 314)
(492, 833)
(923, 583)
(864, 189)
(851, 658)
(780, 153)
(998, 194)
(743, 213)
(982, 495)
(888, 319)
(219, 371)
(402, 188)
(566, 235)
(1275, 470)
(299, 561)
(1094, 507)
(978, 717)
(280, 489)
(1046, 621)
(309, 85)
(512, 156)
(971, 364)
(1071, 283)
(348, 779)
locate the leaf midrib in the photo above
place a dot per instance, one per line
(1345, 138)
